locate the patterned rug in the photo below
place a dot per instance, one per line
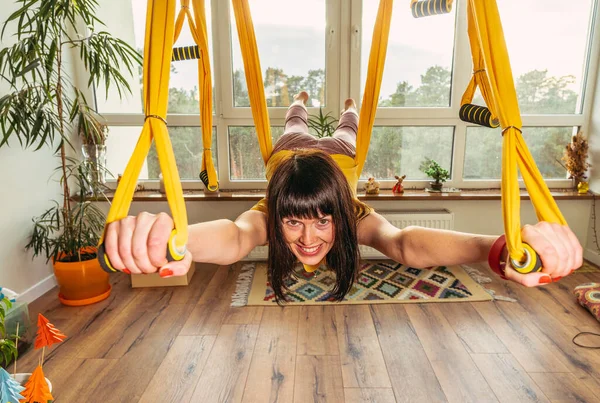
(378, 282)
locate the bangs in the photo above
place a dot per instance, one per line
(301, 199)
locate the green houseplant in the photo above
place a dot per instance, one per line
(44, 107)
(433, 170)
(323, 124)
(8, 349)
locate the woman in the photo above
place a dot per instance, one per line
(311, 214)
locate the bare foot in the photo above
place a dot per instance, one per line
(350, 105)
(302, 96)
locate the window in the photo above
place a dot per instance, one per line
(323, 47)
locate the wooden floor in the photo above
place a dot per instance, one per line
(186, 344)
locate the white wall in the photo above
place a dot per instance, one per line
(27, 191)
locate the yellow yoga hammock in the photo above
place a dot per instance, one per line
(492, 74)
(161, 33)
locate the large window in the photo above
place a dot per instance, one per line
(322, 46)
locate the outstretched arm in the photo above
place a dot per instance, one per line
(138, 244)
(556, 244)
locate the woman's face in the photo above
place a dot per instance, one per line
(309, 239)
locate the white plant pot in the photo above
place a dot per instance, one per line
(23, 377)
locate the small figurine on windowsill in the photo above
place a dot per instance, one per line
(371, 187)
(399, 187)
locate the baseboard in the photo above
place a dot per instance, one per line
(37, 290)
(592, 256)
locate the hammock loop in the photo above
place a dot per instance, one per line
(156, 117)
(512, 127)
(479, 71)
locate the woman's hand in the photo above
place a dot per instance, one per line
(560, 252)
(138, 245)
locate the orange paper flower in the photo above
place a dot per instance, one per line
(36, 388)
(47, 334)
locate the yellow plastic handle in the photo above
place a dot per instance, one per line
(532, 263)
(173, 254)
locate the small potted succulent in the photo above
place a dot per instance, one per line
(433, 170)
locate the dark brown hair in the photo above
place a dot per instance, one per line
(307, 185)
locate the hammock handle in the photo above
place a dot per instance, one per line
(532, 263)
(480, 115)
(426, 8)
(173, 254)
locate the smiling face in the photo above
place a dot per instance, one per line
(309, 239)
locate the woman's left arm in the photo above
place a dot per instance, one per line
(559, 249)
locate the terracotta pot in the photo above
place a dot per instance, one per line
(81, 283)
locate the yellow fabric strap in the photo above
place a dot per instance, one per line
(254, 80)
(200, 34)
(368, 108)
(487, 28)
(158, 49)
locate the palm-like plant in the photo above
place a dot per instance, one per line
(8, 349)
(44, 106)
(323, 124)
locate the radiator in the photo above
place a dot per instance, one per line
(440, 219)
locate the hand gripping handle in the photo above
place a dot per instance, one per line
(173, 254)
(532, 263)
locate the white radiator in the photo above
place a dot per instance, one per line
(440, 219)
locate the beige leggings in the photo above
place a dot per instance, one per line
(296, 121)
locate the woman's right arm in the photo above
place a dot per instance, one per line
(138, 244)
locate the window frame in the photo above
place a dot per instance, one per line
(343, 57)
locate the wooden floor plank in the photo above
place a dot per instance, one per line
(372, 395)
(318, 379)
(230, 357)
(458, 375)
(83, 379)
(471, 329)
(508, 379)
(412, 376)
(244, 315)
(362, 361)
(133, 324)
(317, 331)
(214, 304)
(271, 375)
(180, 371)
(563, 388)
(132, 373)
(191, 293)
(524, 345)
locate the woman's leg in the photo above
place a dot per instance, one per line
(296, 118)
(348, 123)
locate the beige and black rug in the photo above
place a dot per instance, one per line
(378, 282)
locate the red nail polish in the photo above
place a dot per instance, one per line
(166, 273)
(126, 271)
(555, 279)
(545, 280)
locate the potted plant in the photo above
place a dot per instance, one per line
(42, 107)
(433, 170)
(8, 348)
(323, 124)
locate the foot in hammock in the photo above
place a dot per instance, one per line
(302, 97)
(350, 106)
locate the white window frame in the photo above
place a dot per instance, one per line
(343, 48)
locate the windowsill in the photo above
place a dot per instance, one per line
(384, 195)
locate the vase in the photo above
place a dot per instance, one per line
(437, 186)
(94, 156)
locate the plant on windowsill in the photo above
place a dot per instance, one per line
(433, 170)
(323, 124)
(42, 108)
(575, 158)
